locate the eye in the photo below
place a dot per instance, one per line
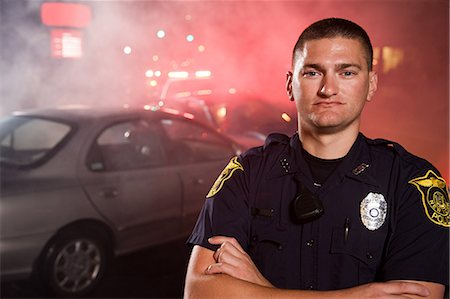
(348, 74)
(310, 74)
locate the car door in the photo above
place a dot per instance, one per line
(199, 154)
(128, 180)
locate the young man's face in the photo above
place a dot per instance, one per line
(330, 84)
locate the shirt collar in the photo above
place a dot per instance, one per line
(356, 164)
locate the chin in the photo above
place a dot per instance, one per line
(327, 122)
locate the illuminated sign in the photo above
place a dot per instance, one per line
(66, 43)
(66, 20)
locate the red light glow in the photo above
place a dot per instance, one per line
(188, 115)
(171, 111)
(65, 14)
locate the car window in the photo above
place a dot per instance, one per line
(194, 143)
(117, 134)
(26, 140)
(127, 145)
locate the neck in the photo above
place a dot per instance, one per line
(328, 146)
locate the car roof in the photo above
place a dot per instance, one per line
(86, 113)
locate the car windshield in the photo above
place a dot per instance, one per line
(26, 141)
(237, 115)
(254, 116)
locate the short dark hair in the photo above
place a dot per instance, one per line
(335, 27)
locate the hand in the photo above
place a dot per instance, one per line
(389, 289)
(231, 259)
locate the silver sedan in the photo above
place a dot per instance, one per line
(79, 186)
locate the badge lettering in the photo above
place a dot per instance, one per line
(434, 197)
(232, 166)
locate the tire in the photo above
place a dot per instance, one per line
(75, 262)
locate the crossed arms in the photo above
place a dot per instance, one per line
(229, 272)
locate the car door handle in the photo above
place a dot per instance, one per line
(109, 193)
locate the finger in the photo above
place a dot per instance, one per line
(219, 240)
(232, 248)
(213, 269)
(224, 242)
(219, 268)
(237, 245)
(228, 253)
(216, 254)
(404, 287)
(232, 257)
(414, 288)
(225, 248)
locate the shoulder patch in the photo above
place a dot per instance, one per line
(232, 166)
(434, 197)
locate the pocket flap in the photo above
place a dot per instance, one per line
(354, 245)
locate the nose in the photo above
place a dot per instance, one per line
(329, 86)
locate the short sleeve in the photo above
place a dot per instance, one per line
(418, 248)
(225, 211)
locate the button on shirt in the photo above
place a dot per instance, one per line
(377, 225)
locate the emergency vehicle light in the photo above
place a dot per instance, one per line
(65, 14)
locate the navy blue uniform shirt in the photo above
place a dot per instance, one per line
(386, 216)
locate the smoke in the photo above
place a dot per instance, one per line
(246, 45)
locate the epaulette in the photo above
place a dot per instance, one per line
(388, 143)
(275, 138)
(399, 150)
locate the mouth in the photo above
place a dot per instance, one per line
(328, 104)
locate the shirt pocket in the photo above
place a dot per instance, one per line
(355, 256)
(267, 250)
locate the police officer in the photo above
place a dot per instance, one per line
(326, 212)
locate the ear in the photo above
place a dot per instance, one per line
(373, 84)
(289, 85)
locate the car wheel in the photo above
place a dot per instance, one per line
(75, 263)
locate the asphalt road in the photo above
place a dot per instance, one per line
(157, 272)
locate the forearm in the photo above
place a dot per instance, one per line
(221, 286)
(202, 283)
(225, 286)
